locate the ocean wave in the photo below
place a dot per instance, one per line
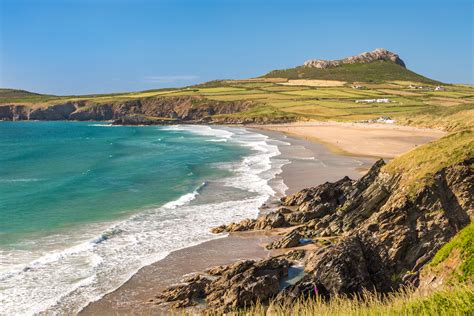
(220, 134)
(87, 271)
(184, 199)
(20, 180)
(103, 125)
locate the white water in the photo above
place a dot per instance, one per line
(106, 255)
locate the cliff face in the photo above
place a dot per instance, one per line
(375, 237)
(186, 108)
(367, 57)
(385, 238)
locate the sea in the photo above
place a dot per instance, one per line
(85, 205)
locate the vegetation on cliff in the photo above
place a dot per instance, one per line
(462, 246)
(418, 167)
(454, 301)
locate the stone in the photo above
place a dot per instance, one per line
(291, 239)
(367, 57)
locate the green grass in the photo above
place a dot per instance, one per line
(463, 242)
(454, 301)
(419, 165)
(377, 71)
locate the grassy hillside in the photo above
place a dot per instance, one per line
(377, 71)
(419, 165)
(13, 95)
(451, 109)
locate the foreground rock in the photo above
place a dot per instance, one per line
(229, 287)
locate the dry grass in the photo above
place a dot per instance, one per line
(454, 301)
(314, 83)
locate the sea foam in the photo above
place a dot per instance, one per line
(64, 281)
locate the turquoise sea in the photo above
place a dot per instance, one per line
(84, 205)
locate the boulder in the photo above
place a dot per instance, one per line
(291, 239)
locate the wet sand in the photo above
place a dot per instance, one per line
(310, 164)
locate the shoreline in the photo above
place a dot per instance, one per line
(304, 153)
(310, 164)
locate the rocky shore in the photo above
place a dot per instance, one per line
(141, 111)
(350, 236)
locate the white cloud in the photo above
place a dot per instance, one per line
(170, 79)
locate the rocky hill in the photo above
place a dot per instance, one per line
(375, 66)
(363, 58)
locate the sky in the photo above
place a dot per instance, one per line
(68, 47)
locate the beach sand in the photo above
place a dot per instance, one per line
(312, 163)
(360, 139)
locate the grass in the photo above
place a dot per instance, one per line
(454, 301)
(377, 71)
(462, 243)
(419, 165)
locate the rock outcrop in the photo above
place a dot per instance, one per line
(367, 57)
(374, 236)
(382, 236)
(226, 288)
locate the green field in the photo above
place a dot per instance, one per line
(451, 108)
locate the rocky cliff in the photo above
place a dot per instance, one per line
(173, 109)
(367, 57)
(374, 236)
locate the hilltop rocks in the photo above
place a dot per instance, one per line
(367, 57)
(230, 287)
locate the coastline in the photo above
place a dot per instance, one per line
(311, 164)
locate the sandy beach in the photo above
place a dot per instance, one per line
(311, 163)
(360, 139)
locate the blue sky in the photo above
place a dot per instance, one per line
(94, 46)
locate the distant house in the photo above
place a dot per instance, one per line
(357, 86)
(439, 88)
